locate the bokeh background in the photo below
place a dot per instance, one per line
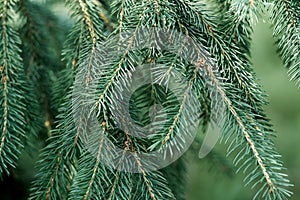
(207, 183)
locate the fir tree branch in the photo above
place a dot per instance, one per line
(183, 103)
(86, 26)
(5, 117)
(65, 139)
(121, 62)
(89, 24)
(273, 185)
(233, 101)
(116, 73)
(70, 171)
(12, 121)
(38, 60)
(246, 14)
(118, 172)
(55, 170)
(96, 166)
(4, 77)
(58, 160)
(104, 16)
(286, 22)
(145, 178)
(227, 54)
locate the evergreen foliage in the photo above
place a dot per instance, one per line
(13, 108)
(37, 92)
(285, 20)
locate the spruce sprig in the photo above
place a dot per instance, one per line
(68, 170)
(12, 103)
(63, 150)
(286, 22)
(257, 132)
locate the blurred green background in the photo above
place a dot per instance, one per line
(206, 183)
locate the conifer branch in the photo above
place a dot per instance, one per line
(244, 130)
(253, 102)
(146, 180)
(55, 170)
(12, 119)
(4, 77)
(122, 60)
(71, 166)
(183, 103)
(272, 186)
(38, 60)
(118, 170)
(286, 22)
(104, 16)
(67, 143)
(95, 167)
(223, 49)
(247, 14)
(89, 24)
(5, 116)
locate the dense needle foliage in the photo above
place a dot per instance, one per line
(37, 98)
